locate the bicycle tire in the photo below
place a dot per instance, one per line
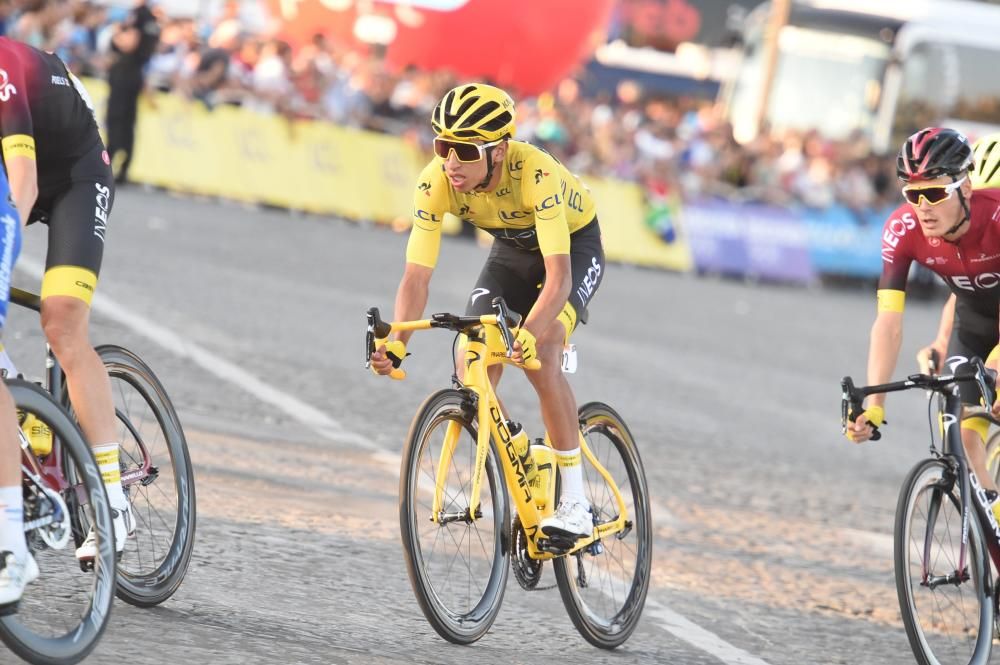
(934, 475)
(609, 632)
(462, 625)
(993, 455)
(80, 640)
(147, 585)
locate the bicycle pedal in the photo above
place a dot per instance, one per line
(557, 545)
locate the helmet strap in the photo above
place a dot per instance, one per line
(489, 169)
(965, 209)
(490, 166)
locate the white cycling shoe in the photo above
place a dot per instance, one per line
(14, 576)
(572, 519)
(124, 526)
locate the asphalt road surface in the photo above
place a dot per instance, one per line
(772, 533)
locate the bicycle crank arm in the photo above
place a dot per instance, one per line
(31, 525)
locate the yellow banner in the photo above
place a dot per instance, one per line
(327, 169)
(622, 211)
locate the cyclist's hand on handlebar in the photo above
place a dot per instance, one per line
(524, 352)
(861, 429)
(387, 358)
(924, 356)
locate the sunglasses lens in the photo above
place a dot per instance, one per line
(933, 195)
(466, 152)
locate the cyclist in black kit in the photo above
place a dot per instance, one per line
(60, 175)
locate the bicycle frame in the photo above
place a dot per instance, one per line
(952, 453)
(50, 468)
(486, 347)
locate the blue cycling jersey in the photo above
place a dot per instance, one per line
(10, 243)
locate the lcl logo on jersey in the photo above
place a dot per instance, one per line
(6, 87)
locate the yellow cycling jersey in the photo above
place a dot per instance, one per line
(536, 205)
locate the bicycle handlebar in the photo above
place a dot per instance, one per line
(505, 320)
(25, 299)
(852, 397)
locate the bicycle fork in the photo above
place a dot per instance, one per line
(972, 497)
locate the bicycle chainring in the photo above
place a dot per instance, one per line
(527, 571)
(47, 504)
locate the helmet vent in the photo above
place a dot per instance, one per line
(481, 113)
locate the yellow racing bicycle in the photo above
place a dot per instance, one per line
(460, 473)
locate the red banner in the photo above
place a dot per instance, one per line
(526, 45)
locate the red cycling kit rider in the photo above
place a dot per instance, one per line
(955, 232)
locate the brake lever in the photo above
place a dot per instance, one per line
(372, 315)
(983, 381)
(852, 407)
(500, 307)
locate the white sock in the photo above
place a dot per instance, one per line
(107, 461)
(6, 364)
(571, 475)
(12, 522)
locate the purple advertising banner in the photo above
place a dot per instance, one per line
(748, 239)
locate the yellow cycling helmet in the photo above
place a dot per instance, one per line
(474, 111)
(986, 159)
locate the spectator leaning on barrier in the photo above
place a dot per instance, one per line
(133, 42)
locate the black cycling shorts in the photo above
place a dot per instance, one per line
(518, 275)
(77, 216)
(974, 334)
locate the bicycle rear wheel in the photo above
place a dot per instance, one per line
(159, 481)
(457, 566)
(604, 585)
(64, 612)
(947, 610)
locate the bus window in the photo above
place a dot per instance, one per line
(824, 80)
(948, 84)
(925, 94)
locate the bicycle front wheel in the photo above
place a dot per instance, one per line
(604, 585)
(63, 613)
(457, 563)
(159, 481)
(993, 455)
(946, 603)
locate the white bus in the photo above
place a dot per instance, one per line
(884, 67)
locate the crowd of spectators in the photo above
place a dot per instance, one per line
(674, 146)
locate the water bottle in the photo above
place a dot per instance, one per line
(543, 488)
(521, 446)
(39, 434)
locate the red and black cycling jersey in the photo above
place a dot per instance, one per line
(970, 266)
(44, 112)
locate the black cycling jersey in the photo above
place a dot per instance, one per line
(44, 113)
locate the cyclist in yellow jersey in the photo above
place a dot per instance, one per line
(547, 260)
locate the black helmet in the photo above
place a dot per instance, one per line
(932, 153)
